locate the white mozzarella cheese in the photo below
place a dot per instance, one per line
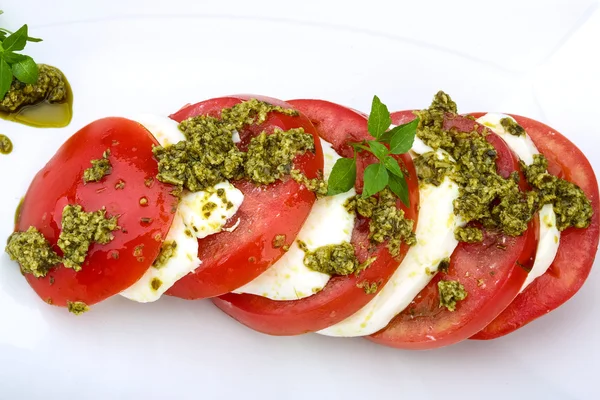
(549, 235)
(328, 223)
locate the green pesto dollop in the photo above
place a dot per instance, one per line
(79, 230)
(167, 251)
(451, 292)
(333, 259)
(99, 169)
(278, 241)
(270, 157)
(468, 234)
(6, 145)
(511, 126)
(571, 206)
(156, 284)
(209, 155)
(387, 222)
(32, 251)
(368, 287)
(484, 196)
(51, 86)
(77, 307)
(431, 170)
(316, 185)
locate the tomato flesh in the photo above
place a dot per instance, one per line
(111, 268)
(232, 259)
(578, 247)
(492, 273)
(341, 297)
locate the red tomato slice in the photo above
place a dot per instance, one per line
(341, 297)
(492, 272)
(232, 259)
(111, 268)
(577, 248)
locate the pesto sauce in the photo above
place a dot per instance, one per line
(77, 307)
(571, 206)
(167, 250)
(79, 230)
(6, 145)
(47, 103)
(368, 287)
(512, 127)
(431, 170)
(387, 222)
(99, 169)
(451, 292)
(316, 185)
(468, 234)
(333, 259)
(33, 252)
(209, 156)
(484, 195)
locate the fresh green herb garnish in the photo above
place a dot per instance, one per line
(386, 172)
(14, 64)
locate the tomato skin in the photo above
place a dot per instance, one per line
(490, 272)
(232, 259)
(341, 297)
(60, 183)
(578, 247)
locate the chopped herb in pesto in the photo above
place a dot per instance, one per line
(468, 234)
(79, 230)
(316, 185)
(387, 221)
(270, 157)
(444, 265)
(99, 169)
(32, 251)
(168, 250)
(278, 241)
(156, 284)
(51, 86)
(208, 208)
(431, 170)
(451, 292)
(511, 126)
(571, 206)
(77, 307)
(209, 156)
(368, 287)
(6, 145)
(484, 195)
(333, 259)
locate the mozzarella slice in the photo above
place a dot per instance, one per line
(328, 223)
(549, 235)
(435, 242)
(198, 215)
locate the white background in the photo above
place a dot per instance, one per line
(537, 58)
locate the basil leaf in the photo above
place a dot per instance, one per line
(375, 180)
(403, 137)
(11, 57)
(33, 39)
(400, 188)
(378, 149)
(17, 40)
(2, 36)
(342, 177)
(26, 70)
(391, 164)
(379, 119)
(6, 77)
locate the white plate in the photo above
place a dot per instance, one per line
(533, 58)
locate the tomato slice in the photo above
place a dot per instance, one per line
(232, 259)
(577, 248)
(111, 268)
(341, 297)
(492, 272)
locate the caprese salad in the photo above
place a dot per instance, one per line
(416, 229)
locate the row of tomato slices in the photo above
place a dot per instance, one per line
(232, 258)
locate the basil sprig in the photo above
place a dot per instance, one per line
(386, 172)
